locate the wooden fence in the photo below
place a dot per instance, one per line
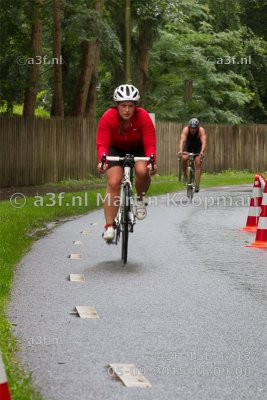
(37, 151)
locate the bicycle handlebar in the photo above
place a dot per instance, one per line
(117, 158)
(133, 158)
(187, 153)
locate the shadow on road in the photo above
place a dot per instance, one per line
(117, 267)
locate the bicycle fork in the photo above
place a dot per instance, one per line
(129, 201)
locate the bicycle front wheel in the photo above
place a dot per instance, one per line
(125, 224)
(179, 171)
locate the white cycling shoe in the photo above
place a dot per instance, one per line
(140, 210)
(109, 234)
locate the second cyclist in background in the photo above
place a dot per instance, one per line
(193, 140)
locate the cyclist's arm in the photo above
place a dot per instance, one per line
(203, 139)
(149, 136)
(103, 136)
(182, 140)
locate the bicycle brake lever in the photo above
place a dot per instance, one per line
(103, 160)
(152, 161)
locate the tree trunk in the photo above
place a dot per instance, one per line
(58, 102)
(36, 40)
(128, 47)
(145, 40)
(88, 66)
(90, 111)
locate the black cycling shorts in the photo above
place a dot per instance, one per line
(115, 151)
(192, 149)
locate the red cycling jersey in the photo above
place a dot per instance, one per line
(140, 133)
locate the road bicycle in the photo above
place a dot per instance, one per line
(190, 174)
(125, 219)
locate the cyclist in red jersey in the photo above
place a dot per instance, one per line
(125, 129)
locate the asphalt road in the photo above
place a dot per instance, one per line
(188, 310)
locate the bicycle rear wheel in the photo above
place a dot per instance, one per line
(190, 184)
(125, 224)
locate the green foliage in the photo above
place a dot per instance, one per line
(253, 14)
(15, 34)
(18, 110)
(81, 24)
(187, 39)
(225, 14)
(222, 66)
(218, 94)
(203, 41)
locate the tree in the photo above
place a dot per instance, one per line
(128, 44)
(170, 42)
(219, 93)
(58, 101)
(15, 32)
(88, 65)
(36, 41)
(90, 110)
(148, 17)
(253, 15)
(225, 15)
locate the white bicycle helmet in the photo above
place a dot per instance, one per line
(126, 93)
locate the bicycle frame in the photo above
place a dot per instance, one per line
(126, 181)
(191, 170)
(125, 219)
(191, 184)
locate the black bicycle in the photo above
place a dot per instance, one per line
(125, 219)
(190, 174)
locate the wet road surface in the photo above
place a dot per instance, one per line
(188, 310)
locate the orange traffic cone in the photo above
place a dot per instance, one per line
(261, 235)
(254, 206)
(4, 390)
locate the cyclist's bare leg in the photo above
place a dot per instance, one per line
(198, 169)
(184, 164)
(111, 203)
(142, 179)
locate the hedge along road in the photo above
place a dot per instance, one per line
(187, 310)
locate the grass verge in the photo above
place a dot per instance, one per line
(17, 225)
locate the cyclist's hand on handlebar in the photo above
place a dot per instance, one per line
(102, 165)
(101, 169)
(152, 171)
(151, 166)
